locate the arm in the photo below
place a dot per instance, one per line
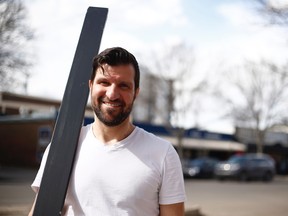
(172, 191)
(172, 209)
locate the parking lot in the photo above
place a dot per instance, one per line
(211, 197)
(233, 198)
(16, 195)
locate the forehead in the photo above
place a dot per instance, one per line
(125, 72)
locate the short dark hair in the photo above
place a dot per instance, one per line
(116, 56)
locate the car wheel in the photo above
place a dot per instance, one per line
(219, 178)
(268, 176)
(243, 176)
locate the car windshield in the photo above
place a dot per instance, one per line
(193, 162)
(196, 162)
(236, 159)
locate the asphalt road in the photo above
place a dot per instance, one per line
(232, 198)
(16, 195)
(212, 198)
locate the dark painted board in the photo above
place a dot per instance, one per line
(59, 164)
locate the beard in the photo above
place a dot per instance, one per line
(109, 116)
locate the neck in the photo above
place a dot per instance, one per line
(112, 135)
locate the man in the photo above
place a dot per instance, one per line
(119, 168)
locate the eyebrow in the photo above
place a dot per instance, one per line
(99, 79)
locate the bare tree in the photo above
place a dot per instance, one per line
(14, 35)
(274, 11)
(257, 97)
(174, 69)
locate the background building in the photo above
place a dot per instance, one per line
(275, 144)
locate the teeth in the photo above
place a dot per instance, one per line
(113, 104)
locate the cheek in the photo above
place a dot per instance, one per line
(94, 96)
(96, 91)
(130, 98)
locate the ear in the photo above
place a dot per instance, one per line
(90, 83)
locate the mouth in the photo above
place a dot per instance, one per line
(112, 104)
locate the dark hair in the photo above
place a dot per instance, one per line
(116, 56)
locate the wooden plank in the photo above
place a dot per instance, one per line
(59, 164)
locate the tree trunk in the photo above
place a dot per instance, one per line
(180, 135)
(260, 140)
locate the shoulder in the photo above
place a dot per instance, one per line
(84, 131)
(86, 128)
(151, 137)
(151, 141)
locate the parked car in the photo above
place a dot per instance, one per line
(246, 167)
(202, 167)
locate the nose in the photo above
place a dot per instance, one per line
(112, 92)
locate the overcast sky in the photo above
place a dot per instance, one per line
(217, 29)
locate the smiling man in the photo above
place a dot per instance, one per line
(119, 168)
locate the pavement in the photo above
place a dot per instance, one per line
(16, 195)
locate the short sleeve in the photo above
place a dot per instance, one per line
(172, 188)
(37, 181)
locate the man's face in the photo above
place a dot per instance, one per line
(113, 93)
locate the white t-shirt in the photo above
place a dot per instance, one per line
(131, 177)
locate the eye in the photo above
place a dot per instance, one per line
(124, 86)
(103, 82)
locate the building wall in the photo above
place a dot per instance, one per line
(22, 142)
(151, 104)
(247, 135)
